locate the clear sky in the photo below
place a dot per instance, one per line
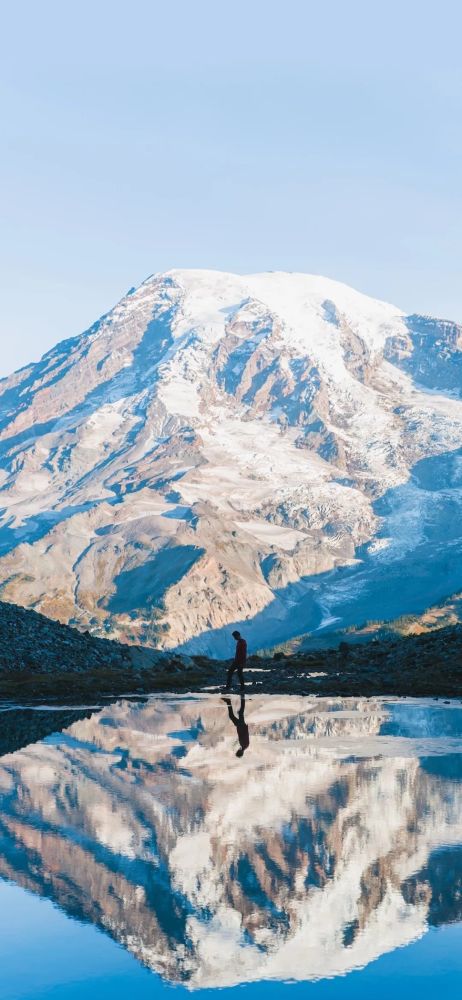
(241, 135)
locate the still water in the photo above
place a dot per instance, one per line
(289, 846)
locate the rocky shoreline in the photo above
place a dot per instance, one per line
(41, 659)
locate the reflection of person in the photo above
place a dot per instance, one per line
(241, 725)
(240, 658)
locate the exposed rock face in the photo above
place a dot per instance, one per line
(276, 449)
(142, 820)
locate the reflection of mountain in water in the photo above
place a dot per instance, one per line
(325, 846)
(21, 726)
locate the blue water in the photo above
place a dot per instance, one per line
(63, 959)
(329, 854)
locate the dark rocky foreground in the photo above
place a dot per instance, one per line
(40, 658)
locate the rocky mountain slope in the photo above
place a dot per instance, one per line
(142, 820)
(276, 450)
(31, 643)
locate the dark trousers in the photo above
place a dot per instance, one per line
(240, 674)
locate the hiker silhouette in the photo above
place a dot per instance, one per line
(240, 724)
(239, 662)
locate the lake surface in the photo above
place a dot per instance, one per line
(147, 846)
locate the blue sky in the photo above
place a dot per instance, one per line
(243, 136)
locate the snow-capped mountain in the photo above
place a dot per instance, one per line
(272, 449)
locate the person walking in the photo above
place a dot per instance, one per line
(239, 662)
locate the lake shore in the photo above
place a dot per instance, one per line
(41, 659)
(361, 671)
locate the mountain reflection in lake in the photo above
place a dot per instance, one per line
(334, 839)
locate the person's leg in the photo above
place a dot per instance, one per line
(240, 673)
(230, 676)
(231, 714)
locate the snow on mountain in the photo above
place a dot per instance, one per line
(273, 449)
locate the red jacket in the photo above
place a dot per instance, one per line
(241, 653)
